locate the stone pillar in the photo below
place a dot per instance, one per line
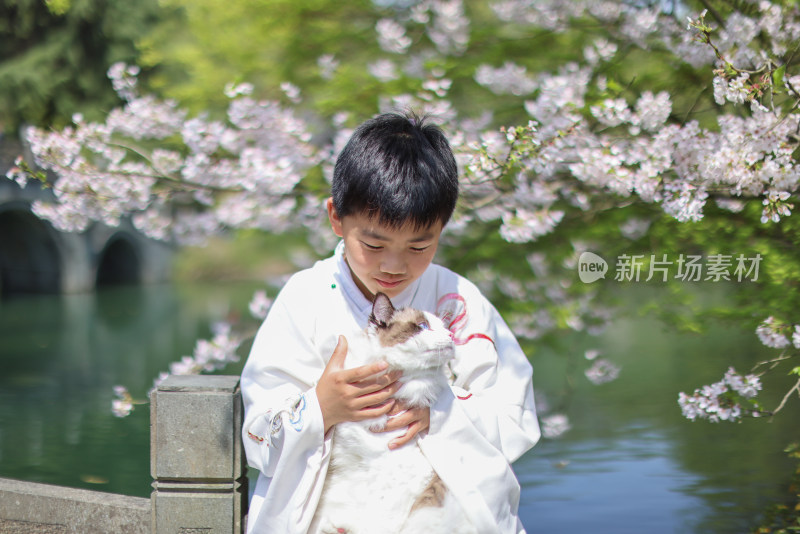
(196, 456)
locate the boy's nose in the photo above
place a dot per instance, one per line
(392, 269)
(393, 266)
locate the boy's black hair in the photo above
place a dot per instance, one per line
(399, 168)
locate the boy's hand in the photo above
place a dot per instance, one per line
(354, 394)
(416, 419)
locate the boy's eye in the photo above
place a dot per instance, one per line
(371, 247)
(419, 249)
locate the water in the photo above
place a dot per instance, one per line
(61, 357)
(630, 463)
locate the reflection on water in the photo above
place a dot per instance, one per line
(626, 485)
(630, 464)
(61, 357)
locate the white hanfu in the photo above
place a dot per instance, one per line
(477, 429)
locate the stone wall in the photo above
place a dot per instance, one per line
(31, 508)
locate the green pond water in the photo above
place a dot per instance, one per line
(630, 463)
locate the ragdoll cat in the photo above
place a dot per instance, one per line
(370, 489)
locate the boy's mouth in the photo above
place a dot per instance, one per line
(388, 284)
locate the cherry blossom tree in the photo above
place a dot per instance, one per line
(576, 154)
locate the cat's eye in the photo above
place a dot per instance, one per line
(424, 325)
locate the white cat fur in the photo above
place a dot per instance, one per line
(370, 489)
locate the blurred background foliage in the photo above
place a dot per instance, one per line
(200, 46)
(54, 56)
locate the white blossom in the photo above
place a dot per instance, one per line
(640, 24)
(770, 334)
(684, 201)
(123, 404)
(449, 30)
(554, 425)
(439, 87)
(524, 225)
(735, 90)
(236, 90)
(327, 64)
(634, 228)
(600, 50)
(291, 91)
(747, 386)
(123, 79)
(591, 354)
(209, 355)
(383, 70)
(612, 112)
(775, 206)
(508, 79)
(16, 174)
(259, 305)
(652, 111)
(602, 371)
(718, 401)
(392, 36)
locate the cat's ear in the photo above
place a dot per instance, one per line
(382, 310)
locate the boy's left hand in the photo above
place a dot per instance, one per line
(416, 419)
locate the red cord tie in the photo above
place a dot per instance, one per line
(458, 322)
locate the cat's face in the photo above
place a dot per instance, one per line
(412, 331)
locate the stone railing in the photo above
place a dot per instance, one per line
(197, 465)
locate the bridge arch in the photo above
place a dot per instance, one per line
(120, 262)
(30, 261)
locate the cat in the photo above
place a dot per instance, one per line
(370, 489)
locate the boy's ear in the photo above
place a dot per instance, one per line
(333, 217)
(382, 310)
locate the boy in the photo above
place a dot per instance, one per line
(395, 186)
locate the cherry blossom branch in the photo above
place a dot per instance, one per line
(795, 388)
(166, 177)
(773, 363)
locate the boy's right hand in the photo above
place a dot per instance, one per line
(354, 394)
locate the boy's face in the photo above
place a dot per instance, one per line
(382, 258)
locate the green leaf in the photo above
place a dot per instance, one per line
(777, 76)
(57, 7)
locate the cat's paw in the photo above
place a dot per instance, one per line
(379, 423)
(377, 427)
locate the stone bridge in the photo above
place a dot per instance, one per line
(36, 258)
